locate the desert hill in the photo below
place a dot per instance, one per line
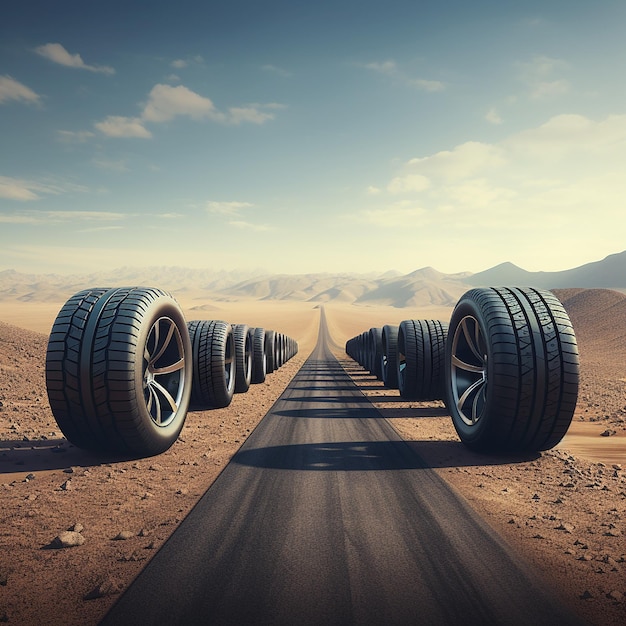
(609, 273)
(599, 319)
(423, 287)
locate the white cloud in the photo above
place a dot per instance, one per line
(17, 218)
(372, 190)
(427, 85)
(113, 166)
(11, 89)
(462, 161)
(493, 117)
(539, 76)
(408, 183)
(390, 68)
(71, 136)
(56, 53)
(249, 226)
(401, 214)
(179, 63)
(15, 189)
(549, 89)
(543, 192)
(253, 115)
(227, 208)
(166, 102)
(46, 217)
(119, 126)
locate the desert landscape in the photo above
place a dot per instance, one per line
(563, 510)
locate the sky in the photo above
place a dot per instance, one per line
(298, 137)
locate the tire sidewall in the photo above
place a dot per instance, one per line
(162, 436)
(476, 434)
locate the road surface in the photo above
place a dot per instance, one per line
(325, 516)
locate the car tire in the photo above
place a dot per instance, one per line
(512, 370)
(243, 354)
(420, 359)
(119, 370)
(215, 367)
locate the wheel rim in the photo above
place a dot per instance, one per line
(401, 370)
(469, 370)
(229, 361)
(163, 371)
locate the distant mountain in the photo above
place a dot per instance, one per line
(423, 287)
(609, 273)
(54, 287)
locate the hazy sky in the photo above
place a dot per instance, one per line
(304, 136)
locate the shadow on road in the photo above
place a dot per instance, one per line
(368, 456)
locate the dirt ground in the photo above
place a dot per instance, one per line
(564, 510)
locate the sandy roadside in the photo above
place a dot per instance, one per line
(564, 510)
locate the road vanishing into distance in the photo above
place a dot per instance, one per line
(326, 516)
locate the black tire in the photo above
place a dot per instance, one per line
(214, 363)
(390, 356)
(421, 358)
(270, 350)
(512, 370)
(119, 370)
(376, 352)
(243, 355)
(259, 359)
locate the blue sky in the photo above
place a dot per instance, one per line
(311, 136)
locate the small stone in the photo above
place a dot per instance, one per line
(77, 528)
(67, 485)
(123, 535)
(613, 532)
(608, 433)
(30, 477)
(108, 587)
(568, 528)
(68, 539)
(587, 595)
(616, 596)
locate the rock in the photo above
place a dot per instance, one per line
(67, 485)
(123, 535)
(587, 595)
(608, 433)
(68, 539)
(568, 528)
(108, 587)
(615, 595)
(77, 528)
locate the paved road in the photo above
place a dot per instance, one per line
(325, 516)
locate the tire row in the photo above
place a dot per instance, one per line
(506, 366)
(123, 367)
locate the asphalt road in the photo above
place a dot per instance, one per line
(325, 516)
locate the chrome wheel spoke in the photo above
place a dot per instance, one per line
(467, 367)
(165, 394)
(164, 371)
(469, 371)
(467, 393)
(168, 369)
